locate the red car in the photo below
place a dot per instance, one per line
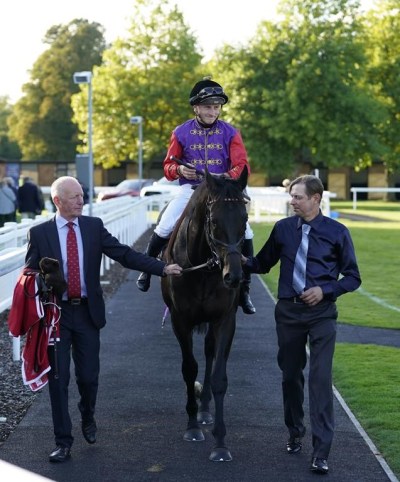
(129, 187)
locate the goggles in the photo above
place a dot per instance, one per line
(210, 91)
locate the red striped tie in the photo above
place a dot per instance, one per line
(74, 280)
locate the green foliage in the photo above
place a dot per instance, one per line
(302, 95)
(41, 120)
(149, 73)
(383, 46)
(319, 87)
(8, 148)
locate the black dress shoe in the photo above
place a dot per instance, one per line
(293, 445)
(60, 454)
(319, 466)
(89, 430)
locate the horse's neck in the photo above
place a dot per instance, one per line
(196, 233)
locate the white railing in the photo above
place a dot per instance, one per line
(270, 203)
(126, 218)
(356, 190)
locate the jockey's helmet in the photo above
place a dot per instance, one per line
(207, 92)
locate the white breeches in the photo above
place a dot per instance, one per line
(175, 208)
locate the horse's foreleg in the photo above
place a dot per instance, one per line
(204, 416)
(193, 432)
(219, 386)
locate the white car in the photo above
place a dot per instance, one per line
(162, 186)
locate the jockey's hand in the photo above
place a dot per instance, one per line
(172, 269)
(187, 173)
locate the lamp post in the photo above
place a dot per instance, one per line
(86, 78)
(138, 120)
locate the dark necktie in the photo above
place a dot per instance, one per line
(74, 281)
(299, 271)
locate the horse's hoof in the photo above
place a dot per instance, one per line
(220, 455)
(194, 435)
(205, 418)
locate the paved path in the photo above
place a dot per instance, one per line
(141, 409)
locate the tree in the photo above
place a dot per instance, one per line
(149, 74)
(383, 46)
(41, 120)
(302, 91)
(8, 149)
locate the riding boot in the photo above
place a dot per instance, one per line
(156, 244)
(244, 296)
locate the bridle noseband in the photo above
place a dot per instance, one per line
(232, 248)
(213, 242)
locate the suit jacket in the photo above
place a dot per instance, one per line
(43, 241)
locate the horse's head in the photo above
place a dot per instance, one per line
(226, 218)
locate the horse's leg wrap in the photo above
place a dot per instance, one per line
(156, 244)
(244, 298)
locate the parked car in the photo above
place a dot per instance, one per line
(129, 187)
(162, 186)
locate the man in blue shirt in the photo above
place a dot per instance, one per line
(308, 313)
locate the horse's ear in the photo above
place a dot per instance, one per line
(243, 178)
(210, 179)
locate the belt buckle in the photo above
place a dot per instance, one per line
(296, 300)
(75, 301)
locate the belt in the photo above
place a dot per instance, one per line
(76, 301)
(294, 299)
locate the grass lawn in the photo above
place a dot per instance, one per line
(367, 376)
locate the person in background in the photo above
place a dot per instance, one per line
(12, 184)
(69, 238)
(204, 141)
(7, 203)
(30, 199)
(306, 309)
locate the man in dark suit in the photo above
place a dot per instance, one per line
(82, 314)
(317, 265)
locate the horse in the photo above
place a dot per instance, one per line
(207, 243)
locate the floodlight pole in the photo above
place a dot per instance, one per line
(86, 78)
(139, 121)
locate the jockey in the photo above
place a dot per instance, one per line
(203, 140)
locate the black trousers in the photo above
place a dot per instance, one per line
(297, 324)
(81, 339)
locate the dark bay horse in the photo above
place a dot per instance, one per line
(207, 243)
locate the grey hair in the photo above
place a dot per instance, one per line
(58, 186)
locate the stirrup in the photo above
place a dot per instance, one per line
(143, 281)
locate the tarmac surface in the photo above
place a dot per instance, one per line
(141, 414)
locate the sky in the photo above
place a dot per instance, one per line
(25, 22)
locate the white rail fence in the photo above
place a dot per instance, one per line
(385, 190)
(127, 219)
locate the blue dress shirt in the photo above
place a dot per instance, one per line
(330, 254)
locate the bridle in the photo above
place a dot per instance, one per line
(232, 248)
